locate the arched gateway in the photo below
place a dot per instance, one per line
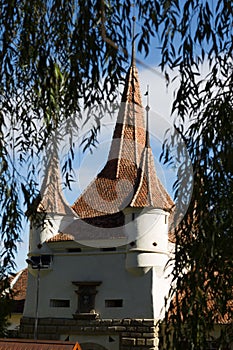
(92, 346)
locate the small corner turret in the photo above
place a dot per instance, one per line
(147, 214)
(51, 211)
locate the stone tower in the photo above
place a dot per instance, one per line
(104, 283)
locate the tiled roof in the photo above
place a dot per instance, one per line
(102, 227)
(220, 314)
(61, 237)
(18, 285)
(26, 344)
(150, 191)
(129, 177)
(52, 199)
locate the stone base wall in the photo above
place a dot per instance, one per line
(137, 334)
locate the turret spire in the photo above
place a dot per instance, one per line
(129, 177)
(52, 199)
(115, 185)
(147, 118)
(133, 42)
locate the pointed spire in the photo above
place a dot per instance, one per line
(147, 118)
(133, 42)
(129, 134)
(129, 177)
(150, 191)
(52, 199)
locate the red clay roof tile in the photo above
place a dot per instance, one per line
(129, 177)
(52, 199)
(19, 285)
(26, 344)
(61, 237)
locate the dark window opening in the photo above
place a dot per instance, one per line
(17, 306)
(74, 250)
(59, 303)
(45, 260)
(86, 298)
(114, 303)
(36, 260)
(42, 261)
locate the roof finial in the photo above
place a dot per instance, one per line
(133, 41)
(147, 118)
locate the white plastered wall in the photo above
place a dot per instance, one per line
(107, 267)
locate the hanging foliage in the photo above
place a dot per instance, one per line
(57, 57)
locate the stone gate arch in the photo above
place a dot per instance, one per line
(92, 346)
